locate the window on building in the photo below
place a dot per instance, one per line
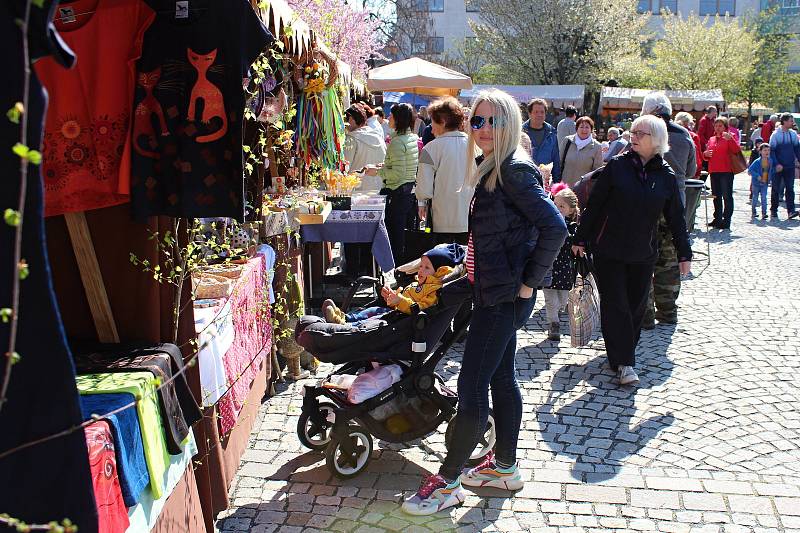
(717, 7)
(790, 7)
(419, 48)
(473, 6)
(435, 45)
(429, 5)
(657, 6)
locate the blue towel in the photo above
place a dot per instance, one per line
(131, 465)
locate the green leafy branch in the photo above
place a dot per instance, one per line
(65, 526)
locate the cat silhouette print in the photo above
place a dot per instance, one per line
(211, 96)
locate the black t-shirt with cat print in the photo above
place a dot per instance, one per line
(188, 109)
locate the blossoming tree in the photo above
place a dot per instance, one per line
(349, 32)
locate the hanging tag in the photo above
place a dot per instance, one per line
(67, 14)
(182, 9)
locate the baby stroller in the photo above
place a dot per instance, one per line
(416, 343)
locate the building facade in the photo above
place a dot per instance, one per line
(450, 18)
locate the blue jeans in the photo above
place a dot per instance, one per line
(489, 361)
(759, 192)
(364, 314)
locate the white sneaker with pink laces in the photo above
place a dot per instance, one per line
(487, 474)
(434, 495)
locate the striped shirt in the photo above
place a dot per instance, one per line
(470, 260)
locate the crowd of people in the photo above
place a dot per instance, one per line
(528, 199)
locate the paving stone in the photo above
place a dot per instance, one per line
(593, 493)
(776, 489)
(677, 484)
(271, 517)
(703, 501)
(674, 527)
(541, 491)
(750, 504)
(655, 499)
(788, 506)
(728, 487)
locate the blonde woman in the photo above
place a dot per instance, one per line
(620, 221)
(515, 234)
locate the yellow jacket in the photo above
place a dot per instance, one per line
(425, 294)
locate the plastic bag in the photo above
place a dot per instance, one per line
(583, 306)
(374, 382)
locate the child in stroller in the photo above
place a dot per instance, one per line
(409, 409)
(434, 265)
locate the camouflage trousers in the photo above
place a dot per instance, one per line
(662, 304)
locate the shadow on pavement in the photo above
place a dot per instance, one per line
(595, 429)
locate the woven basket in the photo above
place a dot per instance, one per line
(208, 286)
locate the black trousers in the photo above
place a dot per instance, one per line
(624, 288)
(722, 189)
(400, 203)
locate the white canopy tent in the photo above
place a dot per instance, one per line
(418, 76)
(556, 96)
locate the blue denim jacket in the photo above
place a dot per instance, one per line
(547, 152)
(755, 171)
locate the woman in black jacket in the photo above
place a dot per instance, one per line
(619, 227)
(515, 233)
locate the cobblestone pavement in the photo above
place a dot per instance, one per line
(709, 441)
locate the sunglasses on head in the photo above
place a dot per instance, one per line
(477, 122)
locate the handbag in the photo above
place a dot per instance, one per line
(584, 304)
(738, 163)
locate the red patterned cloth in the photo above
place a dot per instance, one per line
(252, 340)
(111, 511)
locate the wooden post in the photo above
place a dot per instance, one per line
(91, 277)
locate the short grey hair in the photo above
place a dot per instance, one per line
(615, 130)
(657, 129)
(774, 117)
(656, 103)
(733, 122)
(684, 118)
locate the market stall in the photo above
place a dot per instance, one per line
(617, 102)
(556, 96)
(170, 266)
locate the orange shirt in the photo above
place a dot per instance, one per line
(86, 162)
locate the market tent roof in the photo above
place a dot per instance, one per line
(555, 95)
(418, 76)
(683, 100)
(740, 108)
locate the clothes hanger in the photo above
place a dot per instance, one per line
(73, 16)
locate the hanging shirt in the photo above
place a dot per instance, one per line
(86, 138)
(189, 104)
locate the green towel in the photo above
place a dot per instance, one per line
(143, 387)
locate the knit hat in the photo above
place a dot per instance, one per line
(446, 255)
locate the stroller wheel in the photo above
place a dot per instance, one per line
(347, 458)
(314, 429)
(485, 442)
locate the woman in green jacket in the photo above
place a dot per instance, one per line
(399, 173)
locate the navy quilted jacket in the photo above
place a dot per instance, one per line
(516, 233)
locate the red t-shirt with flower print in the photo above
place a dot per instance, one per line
(86, 149)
